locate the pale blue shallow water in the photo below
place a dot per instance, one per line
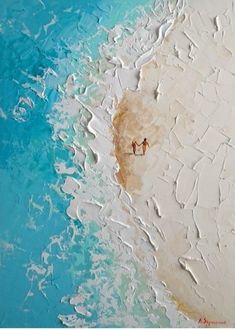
(28, 155)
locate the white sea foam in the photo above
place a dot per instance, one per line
(99, 193)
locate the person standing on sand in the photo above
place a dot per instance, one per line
(133, 144)
(144, 144)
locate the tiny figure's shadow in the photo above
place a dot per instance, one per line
(131, 154)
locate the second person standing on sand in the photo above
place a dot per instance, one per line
(144, 144)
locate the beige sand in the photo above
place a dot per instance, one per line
(184, 187)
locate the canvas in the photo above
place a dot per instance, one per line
(117, 158)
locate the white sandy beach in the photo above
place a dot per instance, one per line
(172, 211)
(183, 189)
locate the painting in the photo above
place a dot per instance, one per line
(117, 163)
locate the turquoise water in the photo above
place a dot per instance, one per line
(33, 208)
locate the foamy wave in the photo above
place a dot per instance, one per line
(98, 196)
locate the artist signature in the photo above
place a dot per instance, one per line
(204, 321)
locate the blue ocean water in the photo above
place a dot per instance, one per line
(39, 262)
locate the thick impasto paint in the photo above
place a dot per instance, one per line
(117, 123)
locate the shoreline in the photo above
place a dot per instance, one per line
(99, 196)
(182, 186)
